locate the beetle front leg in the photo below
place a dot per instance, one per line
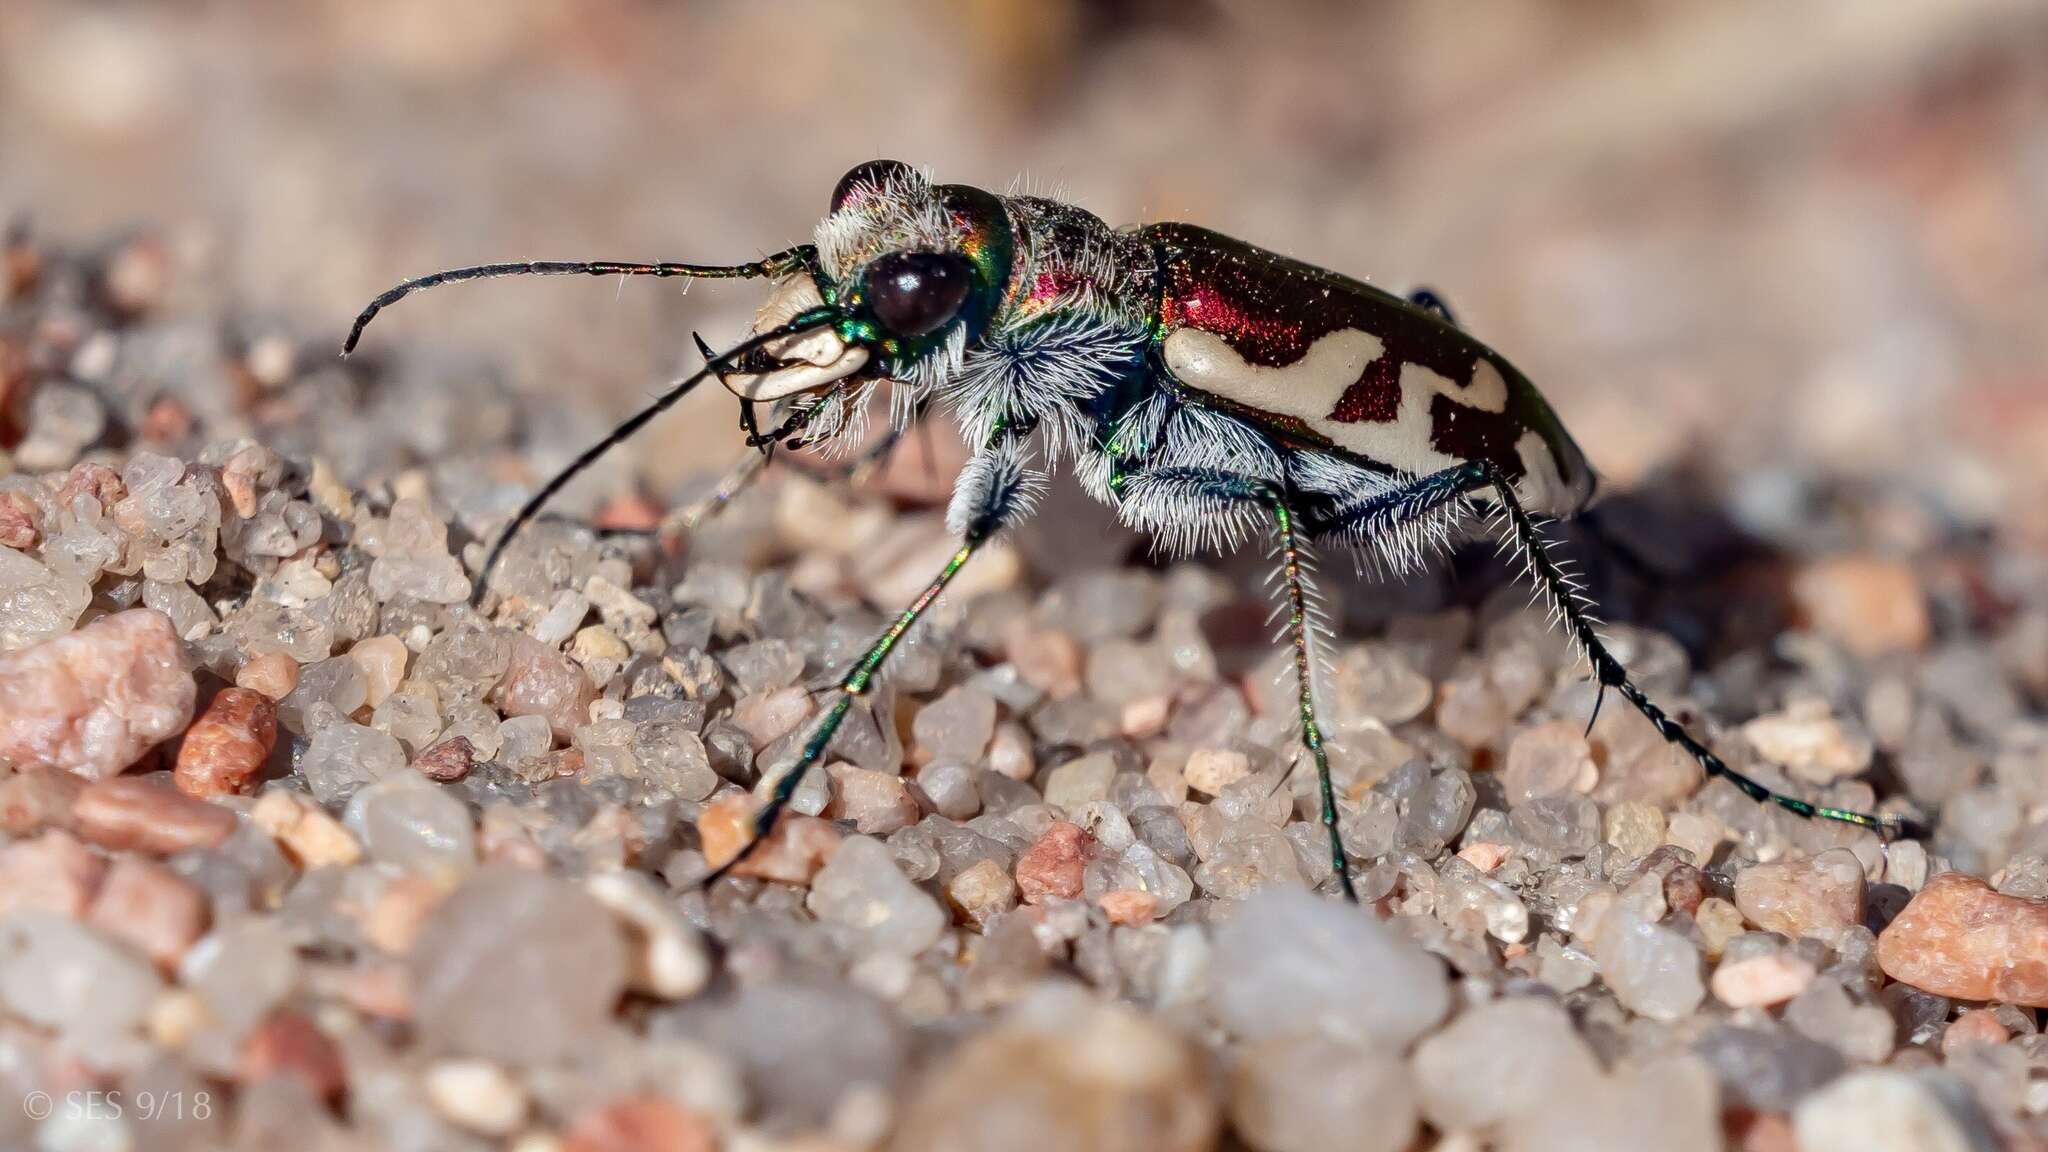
(856, 682)
(994, 491)
(749, 467)
(737, 479)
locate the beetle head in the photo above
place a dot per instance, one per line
(914, 269)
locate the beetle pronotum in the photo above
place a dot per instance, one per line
(1197, 383)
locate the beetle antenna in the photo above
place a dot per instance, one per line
(780, 264)
(804, 322)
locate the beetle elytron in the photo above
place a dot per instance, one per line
(1200, 385)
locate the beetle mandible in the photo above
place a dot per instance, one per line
(1204, 387)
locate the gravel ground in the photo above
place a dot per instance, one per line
(301, 851)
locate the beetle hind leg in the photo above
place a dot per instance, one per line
(1570, 606)
(1429, 301)
(1367, 522)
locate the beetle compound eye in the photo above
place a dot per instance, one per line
(867, 177)
(914, 294)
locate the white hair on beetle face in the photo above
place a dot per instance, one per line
(896, 211)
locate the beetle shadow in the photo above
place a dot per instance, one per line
(1666, 555)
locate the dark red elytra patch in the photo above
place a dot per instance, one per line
(1467, 433)
(1374, 397)
(1258, 335)
(1270, 310)
(1377, 394)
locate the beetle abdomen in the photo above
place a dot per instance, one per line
(1307, 351)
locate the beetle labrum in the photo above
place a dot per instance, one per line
(1203, 387)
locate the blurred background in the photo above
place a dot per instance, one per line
(1766, 241)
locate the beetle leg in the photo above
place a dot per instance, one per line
(749, 467)
(856, 682)
(1300, 606)
(1359, 523)
(1302, 630)
(1363, 523)
(1570, 607)
(737, 478)
(994, 491)
(686, 519)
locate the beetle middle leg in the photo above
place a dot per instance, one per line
(1299, 605)
(1370, 521)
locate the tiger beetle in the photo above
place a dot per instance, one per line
(1201, 386)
